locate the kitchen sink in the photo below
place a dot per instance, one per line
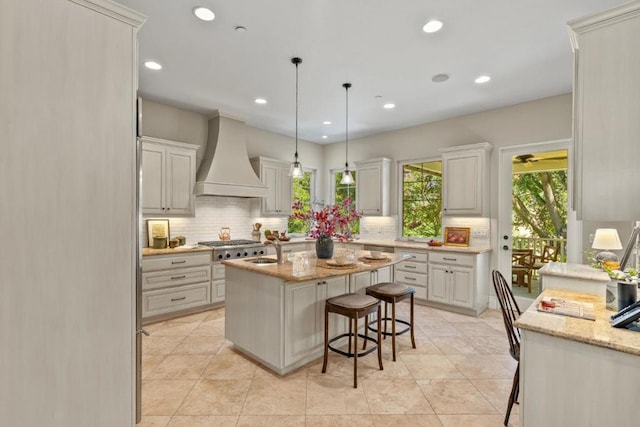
(262, 261)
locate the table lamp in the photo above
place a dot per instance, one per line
(606, 239)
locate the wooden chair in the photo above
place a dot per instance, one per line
(522, 266)
(549, 253)
(510, 312)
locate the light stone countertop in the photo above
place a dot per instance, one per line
(175, 251)
(575, 271)
(599, 332)
(318, 267)
(403, 244)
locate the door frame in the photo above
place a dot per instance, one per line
(505, 207)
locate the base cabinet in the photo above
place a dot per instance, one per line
(459, 281)
(360, 281)
(174, 283)
(217, 283)
(413, 272)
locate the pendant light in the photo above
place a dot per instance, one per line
(347, 179)
(296, 168)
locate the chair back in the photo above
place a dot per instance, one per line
(510, 312)
(522, 258)
(549, 253)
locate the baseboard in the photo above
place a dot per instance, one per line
(493, 303)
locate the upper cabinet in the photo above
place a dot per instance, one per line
(372, 187)
(465, 180)
(275, 175)
(168, 177)
(606, 108)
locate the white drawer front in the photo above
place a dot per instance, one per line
(416, 256)
(452, 258)
(217, 272)
(410, 278)
(174, 299)
(156, 263)
(294, 247)
(412, 266)
(421, 292)
(179, 276)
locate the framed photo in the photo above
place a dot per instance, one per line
(456, 236)
(157, 228)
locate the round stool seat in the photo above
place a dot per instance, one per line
(352, 301)
(389, 290)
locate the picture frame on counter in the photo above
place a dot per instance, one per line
(456, 236)
(158, 228)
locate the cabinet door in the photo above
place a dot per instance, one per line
(360, 281)
(337, 324)
(180, 166)
(270, 176)
(153, 185)
(437, 288)
(369, 191)
(300, 320)
(383, 275)
(461, 184)
(461, 284)
(285, 193)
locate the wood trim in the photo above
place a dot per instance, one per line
(114, 10)
(604, 18)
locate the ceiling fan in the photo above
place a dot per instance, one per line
(530, 158)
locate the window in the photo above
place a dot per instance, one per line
(422, 199)
(342, 191)
(303, 190)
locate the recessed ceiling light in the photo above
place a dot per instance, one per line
(204, 14)
(326, 122)
(260, 101)
(482, 79)
(153, 65)
(439, 78)
(389, 106)
(432, 26)
(240, 29)
(324, 137)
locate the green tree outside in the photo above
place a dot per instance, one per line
(422, 199)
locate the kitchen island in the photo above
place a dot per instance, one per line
(577, 372)
(277, 318)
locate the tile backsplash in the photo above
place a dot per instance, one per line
(480, 229)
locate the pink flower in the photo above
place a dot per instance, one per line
(333, 220)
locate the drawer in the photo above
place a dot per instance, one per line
(452, 258)
(156, 263)
(174, 299)
(412, 266)
(176, 277)
(409, 278)
(294, 247)
(217, 289)
(417, 256)
(421, 292)
(217, 272)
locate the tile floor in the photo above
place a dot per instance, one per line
(459, 375)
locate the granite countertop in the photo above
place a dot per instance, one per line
(175, 251)
(319, 267)
(404, 244)
(599, 332)
(576, 271)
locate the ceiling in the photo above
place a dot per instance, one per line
(377, 45)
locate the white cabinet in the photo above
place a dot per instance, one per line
(459, 281)
(360, 281)
(304, 316)
(465, 180)
(413, 272)
(606, 107)
(217, 282)
(168, 177)
(174, 283)
(372, 187)
(275, 175)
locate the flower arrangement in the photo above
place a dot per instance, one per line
(332, 220)
(612, 268)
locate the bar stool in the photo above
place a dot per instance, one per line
(353, 306)
(392, 293)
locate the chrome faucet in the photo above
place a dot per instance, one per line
(276, 244)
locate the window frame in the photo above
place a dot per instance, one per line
(400, 164)
(312, 193)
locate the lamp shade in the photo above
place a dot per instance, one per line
(606, 238)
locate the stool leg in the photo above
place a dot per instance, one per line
(379, 341)
(385, 319)
(326, 339)
(350, 332)
(393, 329)
(355, 353)
(413, 339)
(366, 331)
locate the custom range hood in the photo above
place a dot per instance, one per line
(225, 169)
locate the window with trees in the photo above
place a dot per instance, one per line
(422, 199)
(303, 191)
(344, 191)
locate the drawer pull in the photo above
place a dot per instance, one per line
(178, 299)
(409, 278)
(449, 259)
(410, 266)
(179, 262)
(179, 277)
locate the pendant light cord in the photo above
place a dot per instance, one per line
(296, 62)
(346, 157)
